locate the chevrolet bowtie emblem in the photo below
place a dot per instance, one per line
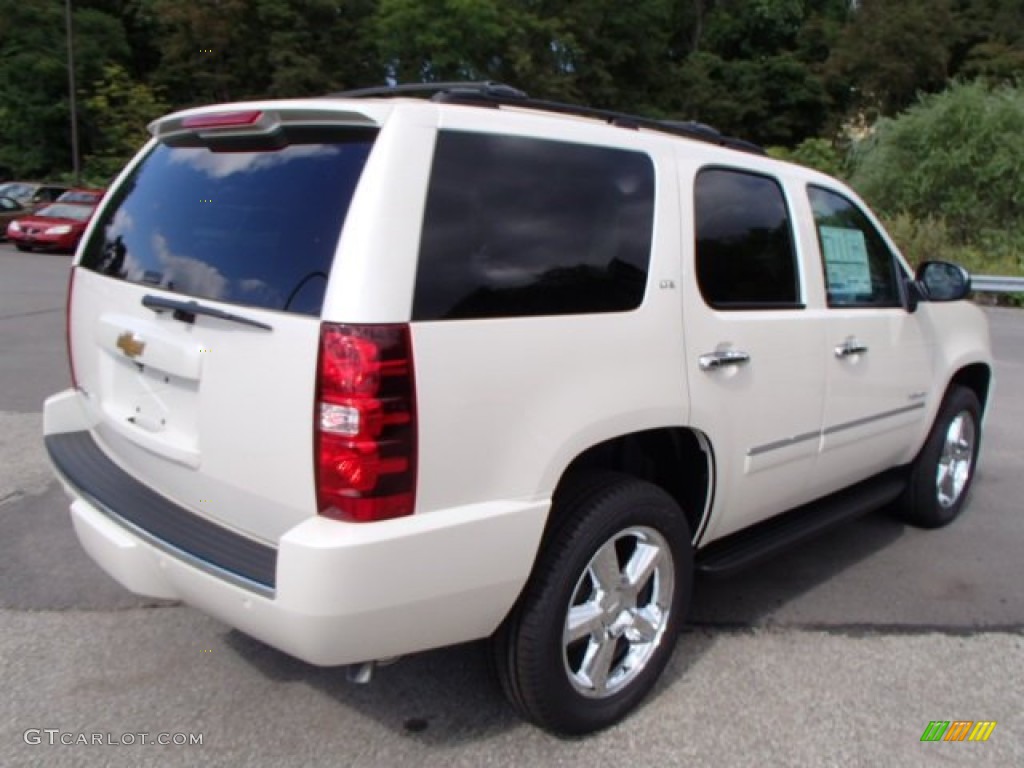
(131, 346)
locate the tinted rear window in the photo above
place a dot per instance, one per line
(254, 228)
(519, 226)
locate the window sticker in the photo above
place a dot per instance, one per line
(846, 261)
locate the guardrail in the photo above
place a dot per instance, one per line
(997, 284)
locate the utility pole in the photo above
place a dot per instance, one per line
(71, 96)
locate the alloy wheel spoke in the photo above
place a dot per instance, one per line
(642, 565)
(583, 620)
(605, 568)
(597, 664)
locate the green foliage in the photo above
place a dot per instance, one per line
(119, 110)
(989, 41)
(226, 50)
(889, 51)
(819, 154)
(774, 100)
(34, 105)
(958, 156)
(778, 72)
(929, 239)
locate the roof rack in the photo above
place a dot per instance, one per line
(482, 88)
(491, 94)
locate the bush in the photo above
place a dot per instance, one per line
(929, 239)
(819, 154)
(958, 157)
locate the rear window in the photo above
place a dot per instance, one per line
(257, 228)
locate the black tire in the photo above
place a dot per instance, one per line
(544, 674)
(22, 247)
(933, 500)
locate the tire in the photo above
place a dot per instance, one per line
(22, 247)
(941, 475)
(587, 679)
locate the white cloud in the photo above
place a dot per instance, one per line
(218, 165)
(186, 274)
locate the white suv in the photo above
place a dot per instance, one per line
(362, 376)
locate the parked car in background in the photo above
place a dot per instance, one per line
(55, 227)
(33, 194)
(10, 209)
(82, 195)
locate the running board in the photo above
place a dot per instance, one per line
(764, 540)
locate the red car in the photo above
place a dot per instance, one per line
(56, 227)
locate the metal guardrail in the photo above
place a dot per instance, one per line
(997, 284)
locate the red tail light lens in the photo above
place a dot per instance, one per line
(365, 423)
(223, 119)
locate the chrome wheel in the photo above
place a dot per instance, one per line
(955, 460)
(618, 612)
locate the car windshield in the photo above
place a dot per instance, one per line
(16, 189)
(79, 196)
(68, 211)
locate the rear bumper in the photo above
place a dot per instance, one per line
(329, 592)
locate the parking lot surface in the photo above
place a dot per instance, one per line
(841, 652)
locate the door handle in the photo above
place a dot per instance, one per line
(850, 347)
(722, 358)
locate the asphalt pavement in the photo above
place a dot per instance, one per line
(839, 653)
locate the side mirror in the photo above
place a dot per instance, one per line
(942, 281)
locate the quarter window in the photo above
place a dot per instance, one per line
(518, 226)
(860, 270)
(745, 255)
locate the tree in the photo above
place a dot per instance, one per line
(226, 50)
(439, 40)
(772, 100)
(989, 40)
(888, 52)
(34, 104)
(118, 111)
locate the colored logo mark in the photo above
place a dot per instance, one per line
(958, 730)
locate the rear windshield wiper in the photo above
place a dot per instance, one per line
(186, 311)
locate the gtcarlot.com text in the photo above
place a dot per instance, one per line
(57, 737)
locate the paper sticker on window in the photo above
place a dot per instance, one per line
(846, 262)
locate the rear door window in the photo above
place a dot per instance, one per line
(745, 253)
(257, 228)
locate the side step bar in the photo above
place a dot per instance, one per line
(764, 540)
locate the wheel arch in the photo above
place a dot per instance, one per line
(976, 377)
(679, 460)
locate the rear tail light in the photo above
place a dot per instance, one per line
(67, 328)
(365, 423)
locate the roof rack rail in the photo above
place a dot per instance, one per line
(482, 88)
(491, 94)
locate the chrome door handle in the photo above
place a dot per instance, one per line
(850, 347)
(722, 358)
